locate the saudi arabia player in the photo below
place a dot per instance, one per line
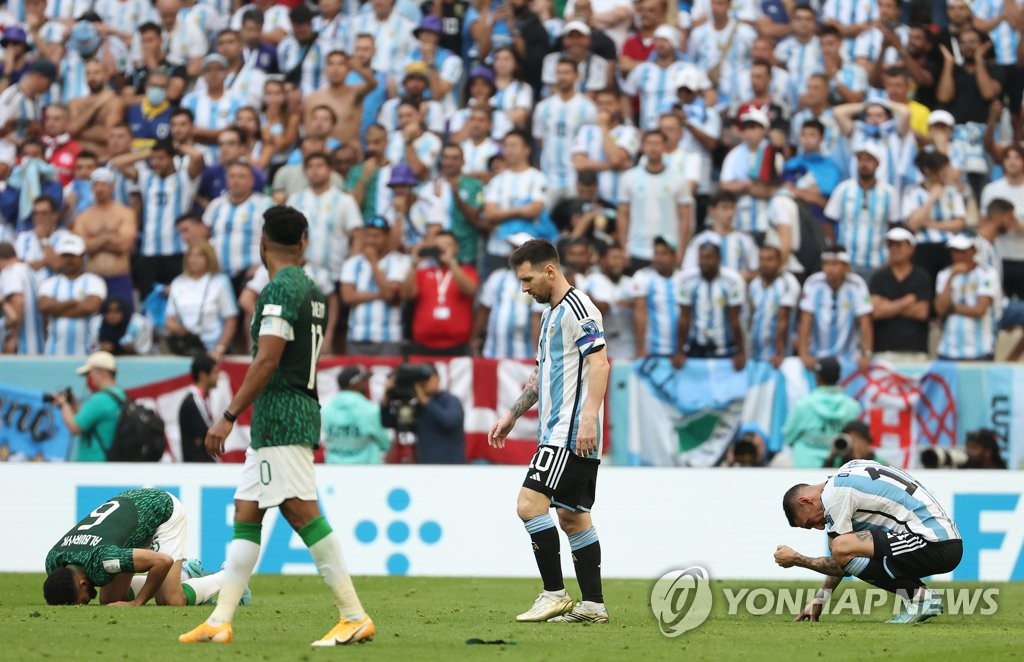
(884, 527)
(287, 334)
(569, 383)
(138, 531)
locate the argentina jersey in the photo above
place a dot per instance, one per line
(801, 60)
(69, 336)
(378, 320)
(965, 337)
(768, 301)
(864, 495)
(949, 206)
(656, 88)
(393, 39)
(212, 114)
(709, 302)
(659, 297)
(19, 279)
(1005, 39)
(313, 64)
(590, 142)
(164, 199)
(235, 230)
(863, 217)
(510, 322)
(556, 123)
(569, 332)
(834, 330)
(849, 12)
(738, 250)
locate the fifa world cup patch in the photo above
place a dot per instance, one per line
(590, 328)
(112, 566)
(829, 521)
(272, 310)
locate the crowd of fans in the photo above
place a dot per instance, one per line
(749, 180)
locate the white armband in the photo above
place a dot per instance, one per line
(277, 326)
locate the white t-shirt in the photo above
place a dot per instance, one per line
(1011, 244)
(202, 304)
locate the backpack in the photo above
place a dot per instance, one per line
(812, 240)
(139, 436)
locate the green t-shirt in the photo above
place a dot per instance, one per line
(471, 190)
(369, 206)
(287, 412)
(102, 543)
(98, 421)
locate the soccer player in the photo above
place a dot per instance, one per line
(118, 539)
(288, 332)
(572, 374)
(883, 527)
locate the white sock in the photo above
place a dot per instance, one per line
(205, 587)
(557, 594)
(241, 561)
(329, 561)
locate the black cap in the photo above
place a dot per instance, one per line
(827, 370)
(43, 68)
(352, 375)
(301, 14)
(858, 426)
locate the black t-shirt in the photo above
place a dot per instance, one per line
(453, 20)
(139, 76)
(901, 334)
(926, 95)
(967, 105)
(600, 44)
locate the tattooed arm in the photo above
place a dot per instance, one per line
(503, 427)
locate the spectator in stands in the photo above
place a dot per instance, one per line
(721, 47)
(819, 150)
(901, 295)
(835, 314)
(577, 256)
(93, 115)
(710, 300)
(1010, 245)
(608, 23)
(235, 220)
(444, 68)
(291, 179)
(150, 118)
(507, 321)
(968, 301)
(738, 250)
(934, 209)
(648, 81)
(743, 170)
(477, 145)
(259, 49)
(351, 422)
(69, 299)
(392, 35)
(983, 450)
(22, 326)
(242, 81)
(120, 331)
(818, 417)
(846, 80)
(609, 146)
(513, 95)
(191, 229)
(514, 200)
(153, 58)
(411, 144)
(368, 181)
(764, 95)
(78, 192)
(231, 143)
(442, 292)
(16, 48)
(195, 415)
(638, 46)
(213, 106)
(693, 129)
(812, 176)
(915, 56)
(414, 89)
(186, 43)
(853, 443)
(593, 71)
(302, 55)
(656, 303)
(611, 290)
(440, 433)
(886, 126)
(110, 231)
(21, 103)
(773, 297)
(201, 306)
(37, 246)
(371, 286)
(61, 150)
(95, 422)
(458, 198)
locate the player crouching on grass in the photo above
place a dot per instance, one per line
(138, 531)
(884, 527)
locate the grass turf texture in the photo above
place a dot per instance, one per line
(431, 619)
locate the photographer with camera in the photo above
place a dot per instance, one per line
(352, 431)
(442, 292)
(853, 443)
(983, 450)
(813, 423)
(424, 415)
(95, 422)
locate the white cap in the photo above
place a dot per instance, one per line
(519, 238)
(872, 150)
(668, 33)
(941, 117)
(576, 26)
(960, 242)
(901, 234)
(71, 244)
(688, 78)
(838, 253)
(969, 3)
(103, 176)
(756, 116)
(98, 360)
(879, 101)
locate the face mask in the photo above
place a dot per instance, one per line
(156, 95)
(872, 130)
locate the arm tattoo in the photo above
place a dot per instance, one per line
(863, 535)
(527, 398)
(826, 565)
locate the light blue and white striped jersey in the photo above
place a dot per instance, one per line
(970, 337)
(740, 10)
(235, 230)
(851, 76)
(708, 121)
(768, 302)
(70, 9)
(19, 279)
(434, 116)
(476, 157)
(509, 190)
(314, 65)
(427, 147)
(739, 252)
(275, 17)
(210, 19)
(29, 248)
(510, 323)
(212, 114)
(187, 40)
(834, 329)
(950, 205)
(164, 199)
(72, 77)
(654, 201)
(864, 217)
(1005, 39)
(14, 104)
(618, 327)
(656, 88)
(333, 216)
(709, 302)
(556, 123)
(569, 332)
(501, 124)
(850, 12)
(869, 44)
(751, 212)
(69, 336)
(780, 88)
(392, 37)
(516, 94)
(449, 69)
(707, 48)
(898, 152)
(831, 145)
(801, 60)
(865, 495)
(202, 304)
(331, 33)
(374, 321)
(590, 142)
(592, 73)
(659, 295)
(246, 86)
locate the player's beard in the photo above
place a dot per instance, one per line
(263, 257)
(92, 592)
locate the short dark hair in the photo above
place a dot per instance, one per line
(334, 115)
(87, 154)
(150, 26)
(241, 133)
(183, 111)
(7, 251)
(254, 15)
(789, 501)
(713, 245)
(314, 156)
(522, 135)
(830, 31)
(799, 8)
(815, 125)
(998, 206)
(931, 161)
(1016, 149)
(858, 427)
(203, 364)
(59, 587)
(285, 225)
(565, 59)
(536, 252)
(165, 146)
(989, 440)
(228, 32)
(586, 177)
(722, 197)
(189, 216)
(47, 200)
(654, 132)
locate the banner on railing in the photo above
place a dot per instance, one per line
(30, 429)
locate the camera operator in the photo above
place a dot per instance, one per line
(95, 422)
(983, 450)
(351, 422)
(853, 443)
(414, 402)
(748, 449)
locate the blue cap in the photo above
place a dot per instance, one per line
(14, 34)
(428, 23)
(378, 222)
(482, 72)
(84, 38)
(402, 175)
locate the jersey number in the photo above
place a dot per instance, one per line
(876, 473)
(542, 460)
(317, 334)
(101, 513)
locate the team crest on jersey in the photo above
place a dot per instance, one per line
(551, 330)
(163, 130)
(828, 520)
(590, 328)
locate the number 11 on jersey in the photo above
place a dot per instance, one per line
(317, 333)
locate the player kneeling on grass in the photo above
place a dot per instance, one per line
(118, 539)
(884, 527)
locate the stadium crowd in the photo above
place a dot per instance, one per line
(749, 180)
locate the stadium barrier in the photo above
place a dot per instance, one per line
(452, 521)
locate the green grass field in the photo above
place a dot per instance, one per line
(431, 619)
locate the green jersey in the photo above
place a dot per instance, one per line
(102, 543)
(287, 412)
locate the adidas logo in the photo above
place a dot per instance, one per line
(535, 476)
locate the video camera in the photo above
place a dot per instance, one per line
(942, 457)
(402, 393)
(842, 444)
(66, 393)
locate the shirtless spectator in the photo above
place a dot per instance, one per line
(345, 100)
(94, 115)
(109, 229)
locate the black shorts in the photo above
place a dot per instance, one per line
(568, 479)
(907, 555)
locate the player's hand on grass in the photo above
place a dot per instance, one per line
(122, 603)
(812, 612)
(785, 556)
(215, 437)
(586, 438)
(500, 430)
